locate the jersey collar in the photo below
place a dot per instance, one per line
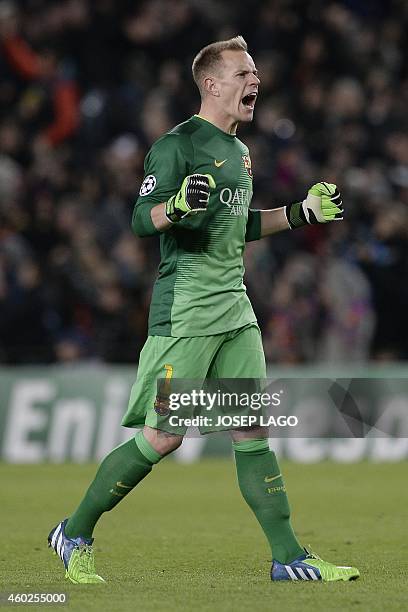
(200, 118)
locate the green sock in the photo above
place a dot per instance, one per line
(262, 487)
(117, 475)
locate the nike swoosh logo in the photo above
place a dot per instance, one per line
(267, 479)
(218, 164)
(120, 484)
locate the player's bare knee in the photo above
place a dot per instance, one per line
(249, 433)
(162, 441)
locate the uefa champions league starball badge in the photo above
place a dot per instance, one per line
(148, 185)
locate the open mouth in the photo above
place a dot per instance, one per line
(249, 100)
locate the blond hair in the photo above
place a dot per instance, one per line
(210, 57)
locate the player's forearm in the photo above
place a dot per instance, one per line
(273, 221)
(149, 219)
(159, 219)
(322, 204)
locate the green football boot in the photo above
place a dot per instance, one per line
(76, 554)
(311, 567)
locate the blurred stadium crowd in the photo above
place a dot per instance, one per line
(85, 89)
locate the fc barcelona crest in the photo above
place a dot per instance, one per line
(161, 405)
(247, 164)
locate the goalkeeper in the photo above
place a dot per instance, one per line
(196, 195)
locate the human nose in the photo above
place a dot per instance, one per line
(255, 80)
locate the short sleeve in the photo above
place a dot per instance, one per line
(166, 165)
(253, 228)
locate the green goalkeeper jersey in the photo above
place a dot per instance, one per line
(199, 290)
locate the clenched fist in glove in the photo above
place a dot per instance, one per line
(192, 198)
(323, 204)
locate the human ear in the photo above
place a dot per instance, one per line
(211, 87)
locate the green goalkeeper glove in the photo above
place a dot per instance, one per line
(192, 198)
(323, 204)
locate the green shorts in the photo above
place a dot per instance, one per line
(234, 354)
